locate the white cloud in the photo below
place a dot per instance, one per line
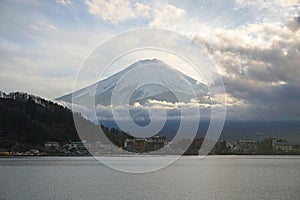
(64, 2)
(40, 55)
(141, 112)
(113, 11)
(167, 15)
(275, 11)
(266, 3)
(42, 27)
(142, 9)
(123, 10)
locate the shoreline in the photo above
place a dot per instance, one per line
(137, 155)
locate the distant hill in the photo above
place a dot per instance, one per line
(27, 121)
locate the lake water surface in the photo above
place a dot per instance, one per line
(215, 177)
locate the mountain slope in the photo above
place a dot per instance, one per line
(27, 122)
(155, 92)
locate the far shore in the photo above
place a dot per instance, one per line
(132, 155)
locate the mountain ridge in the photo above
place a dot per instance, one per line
(105, 87)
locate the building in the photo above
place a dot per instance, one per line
(96, 148)
(33, 152)
(246, 146)
(139, 145)
(155, 143)
(77, 145)
(280, 145)
(128, 145)
(51, 145)
(145, 145)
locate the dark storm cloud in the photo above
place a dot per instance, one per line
(260, 66)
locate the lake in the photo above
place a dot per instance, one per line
(215, 177)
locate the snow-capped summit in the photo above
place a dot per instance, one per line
(148, 92)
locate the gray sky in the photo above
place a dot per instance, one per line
(255, 45)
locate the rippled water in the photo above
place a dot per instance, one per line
(215, 177)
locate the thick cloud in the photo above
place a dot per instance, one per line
(140, 113)
(259, 64)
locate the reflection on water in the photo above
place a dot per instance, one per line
(215, 177)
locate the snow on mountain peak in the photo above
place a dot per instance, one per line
(105, 87)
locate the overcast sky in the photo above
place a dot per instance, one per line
(255, 45)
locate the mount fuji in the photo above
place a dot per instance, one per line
(104, 88)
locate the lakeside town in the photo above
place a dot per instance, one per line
(52, 118)
(159, 145)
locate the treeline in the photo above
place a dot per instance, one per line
(26, 124)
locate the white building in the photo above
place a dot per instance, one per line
(246, 146)
(52, 145)
(281, 145)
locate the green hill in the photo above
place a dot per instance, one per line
(27, 121)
